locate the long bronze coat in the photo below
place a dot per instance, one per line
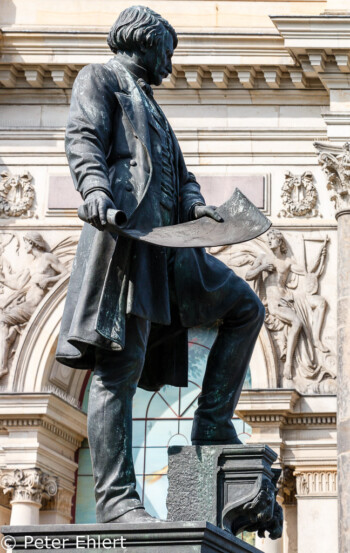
(113, 144)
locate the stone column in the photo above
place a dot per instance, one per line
(27, 488)
(335, 161)
(317, 519)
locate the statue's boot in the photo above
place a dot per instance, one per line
(226, 369)
(134, 516)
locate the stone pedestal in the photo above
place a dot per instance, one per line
(162, 537)
(233, 487)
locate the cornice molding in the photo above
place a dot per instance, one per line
(318, 31)
(286, 408)
(80, 47)
(40, 58)
(43, 410)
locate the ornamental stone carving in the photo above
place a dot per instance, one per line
(335, 162)
(23, 289)
(316, 482)
(299, 196)
(287, 486)
(16, 195)
(295, 310)
(28, 485)
(61, 502)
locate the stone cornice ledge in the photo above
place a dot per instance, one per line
(80, 47)
(286, 407)
(321, 31)
(43, 409)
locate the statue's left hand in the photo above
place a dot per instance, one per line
(207, 211)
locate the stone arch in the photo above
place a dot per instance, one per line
(264, 362)
(35, 356)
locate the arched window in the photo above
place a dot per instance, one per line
(160, 419)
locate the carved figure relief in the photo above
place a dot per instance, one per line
(24, 289)
(16, 195)
(299, 195)
(295, 311)
(335, 162)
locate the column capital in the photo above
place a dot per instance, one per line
(335, 162)
(287, 486)
(28, 485)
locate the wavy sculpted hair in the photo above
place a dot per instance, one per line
(275, 232)
(138, 25)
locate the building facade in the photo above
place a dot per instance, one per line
(255, 85)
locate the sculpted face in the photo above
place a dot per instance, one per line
(157, 60)
(28, 246)
(273, 240)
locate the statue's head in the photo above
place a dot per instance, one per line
(33, 239)
(276, 239)
(140, 30)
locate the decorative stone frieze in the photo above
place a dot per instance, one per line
(316, 482)
(47, 424)
(299, 195)
(23, 289)
(28, 485)
(17, 195)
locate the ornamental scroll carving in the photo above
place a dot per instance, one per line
(295, 310)
(17, 195)
(38, 268)
(28, 484)
(316, 482)
(299, 195)
(335, 162)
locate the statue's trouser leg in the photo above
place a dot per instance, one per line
(226, 368)
(110, 422)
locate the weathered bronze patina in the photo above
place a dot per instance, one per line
(130, 303)
(241, 221)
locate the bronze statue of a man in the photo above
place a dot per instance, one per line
(129, 304)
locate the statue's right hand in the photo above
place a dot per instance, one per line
(95, 206)
(269, 267)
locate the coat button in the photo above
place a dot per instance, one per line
(129, 187)
(133, 162)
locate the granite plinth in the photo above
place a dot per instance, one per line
(231, 486)
(162, 537)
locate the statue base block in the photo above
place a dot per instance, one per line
(230, 486)
(162, 537)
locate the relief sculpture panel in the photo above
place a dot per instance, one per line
(29, 268)
(295, 308)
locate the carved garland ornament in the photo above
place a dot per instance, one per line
(299, 196)
(16, 195)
